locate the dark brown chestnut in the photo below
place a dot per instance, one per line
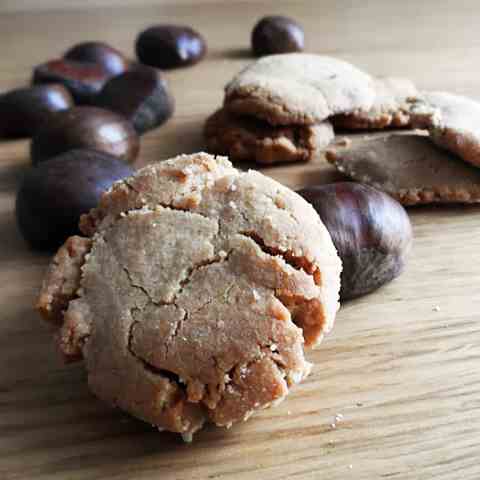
(141, 95)
(24, 110)
(371, 231)
(112, 60)
(170, 46)
(52, 196)
(85, 127)
(83, 80)
(277, 34)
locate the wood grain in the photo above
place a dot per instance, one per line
(404, 376)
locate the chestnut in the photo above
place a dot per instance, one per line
(23, 110)
(83, 80)
(85, 127)
(277, 34)
(170, 46)
(141, 95)
(52, 196)
(371, 231)
(112, 60)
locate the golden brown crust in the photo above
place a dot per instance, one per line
(391, 108)
(247, 138)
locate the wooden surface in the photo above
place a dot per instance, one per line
(404, 374)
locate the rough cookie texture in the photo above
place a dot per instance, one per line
(62, 279)
(299, 88)
(408, 167)
(453, 122)
(199, 291)
(390, 108)
(246, 138)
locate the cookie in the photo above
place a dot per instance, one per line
(408, 167)
(453, 122)
(390, 108)
(246, 138)
(200, 287)
(299, 88)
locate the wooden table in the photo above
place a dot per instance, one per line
(402, 365)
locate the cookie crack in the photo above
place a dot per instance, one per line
(141, 288)
(157, 203)
(173, 336)
(172, 377)
(296, 262)
(218, 258)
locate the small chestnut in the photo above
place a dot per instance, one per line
(170, 46)
(85, 127)
(112, 60)
(141, 95)
(371, 231)
(24, 110)
(52, 196)
(277, 34)
(83, 80)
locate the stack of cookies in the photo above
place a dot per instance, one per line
(284, 108)
(276, 109)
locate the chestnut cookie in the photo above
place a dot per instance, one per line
(453, 122)
(246, 138)
(200, 287)
(390, 108)
(409, 168)
(299, 88)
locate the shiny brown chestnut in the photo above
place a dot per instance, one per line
(277, 34)
(52, 196)
(83, 80)
(170, 46)
(371, 231)
(100, 53)
(141, 95)
(24, 110)
(85, 127)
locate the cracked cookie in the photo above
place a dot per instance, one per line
(194, 292)
(390, 108)
(247, 138)
(409, 167)
(452, 121)
(299, 88)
